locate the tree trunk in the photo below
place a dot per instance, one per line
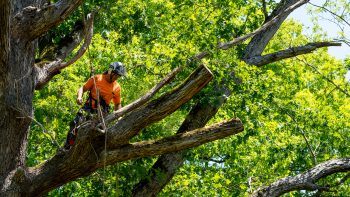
(16, 87)
(5, 7)
(16, 110)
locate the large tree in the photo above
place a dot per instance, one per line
(26, 24)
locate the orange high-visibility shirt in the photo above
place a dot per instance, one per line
(108, 91)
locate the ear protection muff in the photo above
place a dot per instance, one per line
(110, 70)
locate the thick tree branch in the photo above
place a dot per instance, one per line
(144, 99)
(174, 143)
(270, 27)
(258, 43)
(45, 74)
(156, 110)
(261, 35)
(32, 22)
(291, 52)
(305, 181)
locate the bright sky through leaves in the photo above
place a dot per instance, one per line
(302, 15)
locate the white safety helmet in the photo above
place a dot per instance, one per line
(118, 68)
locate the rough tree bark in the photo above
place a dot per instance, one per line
(17, 83)
(5, 7)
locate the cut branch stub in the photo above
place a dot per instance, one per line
(158, 109)
(144, 99)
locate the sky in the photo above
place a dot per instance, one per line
(301, 14)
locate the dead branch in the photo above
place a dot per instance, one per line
(291, 52)
(259, 42)
(264, 27)
(144, 99)
(306, 180)
(262, 35)
(46, 73)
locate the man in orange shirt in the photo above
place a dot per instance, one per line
(106, 86)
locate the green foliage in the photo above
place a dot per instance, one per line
(281, 104)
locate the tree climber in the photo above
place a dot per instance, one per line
(106, 86)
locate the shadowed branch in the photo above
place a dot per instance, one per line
(46, 73)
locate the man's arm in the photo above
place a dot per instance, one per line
(117, 100)
(117, 106)
(80, 95)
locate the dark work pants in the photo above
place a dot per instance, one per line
(82, 115)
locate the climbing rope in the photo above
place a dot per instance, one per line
(100, 117)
